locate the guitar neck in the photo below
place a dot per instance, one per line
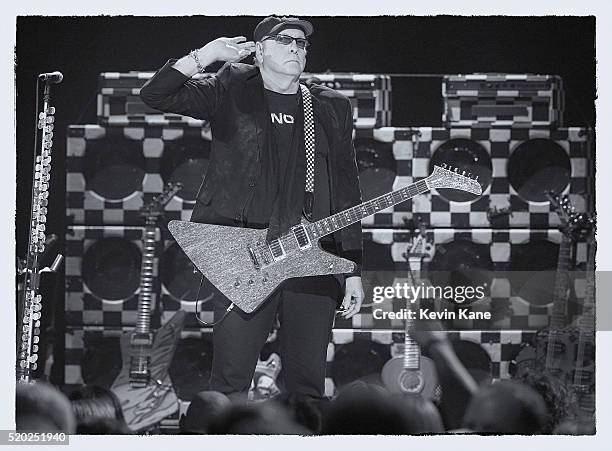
(559, 310)
(587, 319)
(146, 296)
(412, 350)
(355, 214)
(586, 325)
(152, 211)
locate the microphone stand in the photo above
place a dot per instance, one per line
(30, 299)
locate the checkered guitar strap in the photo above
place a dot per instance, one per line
(309, 145)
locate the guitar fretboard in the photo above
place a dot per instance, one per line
(559, 309)
(412, 350)
(586, 325)
(354, 214)
(587, 319)
(146, 296)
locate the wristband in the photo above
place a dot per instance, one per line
(194, 55)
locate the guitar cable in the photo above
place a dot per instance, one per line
(197, 315)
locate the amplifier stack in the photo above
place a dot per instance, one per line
(506, 129)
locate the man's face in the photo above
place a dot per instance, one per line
(284, 59)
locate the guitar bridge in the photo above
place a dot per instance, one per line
(139, 380)
(254, 258)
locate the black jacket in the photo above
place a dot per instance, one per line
(234, 103)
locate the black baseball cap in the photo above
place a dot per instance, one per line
(272, 25)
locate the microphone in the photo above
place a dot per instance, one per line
(52, 77)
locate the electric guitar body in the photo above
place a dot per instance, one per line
(224, 255)
(147, 402)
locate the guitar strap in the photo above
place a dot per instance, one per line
(309, 145)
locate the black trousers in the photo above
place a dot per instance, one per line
(306, 309)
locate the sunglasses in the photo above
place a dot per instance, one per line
(287, 40)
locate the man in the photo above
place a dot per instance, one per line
(256, 178)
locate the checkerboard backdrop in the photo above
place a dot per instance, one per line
(119, 103)
(103, 267)
(103, 273)
(179, 286)
(92, 356)
(391, 158)
(519, 294)
(112, 171)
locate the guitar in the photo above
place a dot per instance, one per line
(556, 343)
(583, 375)
(247, 268)
(554, 346)
(412, 373)
(143, 386)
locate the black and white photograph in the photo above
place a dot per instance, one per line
(307, 225)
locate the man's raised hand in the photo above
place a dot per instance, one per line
(227, 49)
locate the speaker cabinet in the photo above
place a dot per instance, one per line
(113, 171)
(93, 356)
(515, 267)
(515, 167)
(103, 267)
(360, 355)
(180, 281)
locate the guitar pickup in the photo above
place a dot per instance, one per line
(141, 339)
(277, 250)
(301, 236)
(139, 376)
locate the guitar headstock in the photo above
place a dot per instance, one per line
(448, 177)
(574, 225)
(155, 208)
(420, 246)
